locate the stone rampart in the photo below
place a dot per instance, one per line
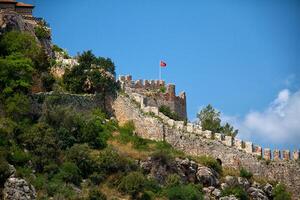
(190, 138)
(156, 93)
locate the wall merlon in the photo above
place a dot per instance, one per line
(179, 125)
(171, 90)
(219, 136)
(190, 128)
(257, 150)
(238, 143)
(267, 154)
(248, 147)
(171, 122)
(276, 155)
(208, 134)
(286, 155)
(228, 141)
(296, 155)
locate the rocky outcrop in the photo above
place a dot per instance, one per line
(18, 189)
(10, 20)
(207, 176)
(188, 170)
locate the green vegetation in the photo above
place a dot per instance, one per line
(62, 149)
(42, 32)
(167, 111)
(280, 193)
(245, 174)
(92, 75)
(237, 191)
(185, 192)
(210, 162)
(210, 120)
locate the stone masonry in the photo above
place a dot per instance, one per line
(155, 93)
(192, 140)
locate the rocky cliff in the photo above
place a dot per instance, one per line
(10, 20)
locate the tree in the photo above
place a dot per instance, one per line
(15, 75)
(40, 140)
(92, 75)
(80, 155)
(17, 106)
(19, 42)
(210, 119)
(16, 42)
(227, 129)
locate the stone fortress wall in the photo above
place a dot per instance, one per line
(136, 90)
(153, 97)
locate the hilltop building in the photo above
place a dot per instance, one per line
(19, 7)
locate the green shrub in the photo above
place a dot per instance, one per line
(210, 162)
(167, 112)
(280, 193)
(4, 171)
(80, 155)
(42, 32)
(18, 156)
(140, 143)
(132, 184)
(97, 178)
(59, 190)
(163, 157)
(184, 192)
(17, 106)
(173, 180)
(245, 174)
(51, 169)
(110, 162)
(40, 182)
(69, 173)
(48, 81)
(40, 140)
(126, 132)
(237, 191)
(95, 194)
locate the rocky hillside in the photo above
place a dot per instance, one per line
(86, 139)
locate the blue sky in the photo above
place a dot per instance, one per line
(240, 56)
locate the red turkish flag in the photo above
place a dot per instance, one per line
(163, 64)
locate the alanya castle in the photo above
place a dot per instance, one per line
(140, 101)
(147, 94)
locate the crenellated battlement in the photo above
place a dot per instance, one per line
(195, 130)
(156, 93)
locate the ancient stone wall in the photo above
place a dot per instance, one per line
(190, 138)
(154, 94)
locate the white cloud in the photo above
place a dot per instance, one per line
(279, 123)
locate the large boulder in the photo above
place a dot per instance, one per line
(207, 176)
(18, 189)
(268, 189)
(257, 194)
(231, 181)
(243, 182)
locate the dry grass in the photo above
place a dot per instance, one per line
(230, 172)
(112, 193)
(128, 150)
